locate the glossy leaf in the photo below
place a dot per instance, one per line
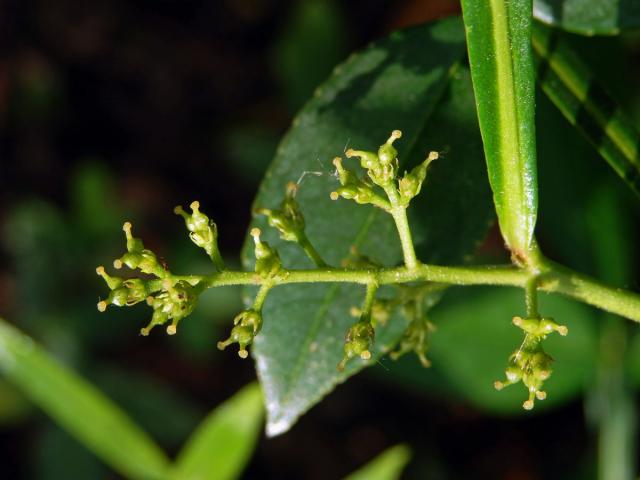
(585, 104)
(393, 84)
(222, 445)
(79, 407)
(475, 337)
(499, 43)
(589, 17)
(386, 466)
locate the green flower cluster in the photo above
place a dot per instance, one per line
(530, 363)
(170, 298)
(382, 171)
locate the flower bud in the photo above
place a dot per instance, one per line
(368, 160)
(202, 231)
(267, 259)
(247, 325)
(415, 339)
(411, 184)
(175, 301)
(137, 257)
(358, 341)
(288, 220)
(387, 152)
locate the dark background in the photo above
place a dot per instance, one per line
(119, 110)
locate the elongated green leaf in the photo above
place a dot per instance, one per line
(80, 408)
(499, 43)
(386, 466)
(394, 84)
(222, 445)
(586, 105)
(589, 17)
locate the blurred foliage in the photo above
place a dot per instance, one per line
(117, 111)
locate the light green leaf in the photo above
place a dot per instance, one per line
(222, 445)
(589, 17)
(394, 84)
(79, 407)
(499, 43)
(386, 466)
(585, 104)
(475, 337)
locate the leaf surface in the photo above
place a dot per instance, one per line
(589, 17)
(572, 88)
(391, 85)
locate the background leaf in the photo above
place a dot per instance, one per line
(222, 445)
(589, 17)
(392, 84)
(499, 44)
(585, 104)
(386, 466)
(80, 408)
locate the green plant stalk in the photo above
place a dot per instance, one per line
(571, 87)
(311, 252)
(399, 214)
(613, 404)
(552, 278)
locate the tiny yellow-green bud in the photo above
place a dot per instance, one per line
(387, 152)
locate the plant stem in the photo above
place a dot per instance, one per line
(554, 279)
(262, 296)
(372, 288)
(399, 214)
(311, 252)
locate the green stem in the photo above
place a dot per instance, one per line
(311, 252)
(217, 260)
(261, 296)
(553, 279)
(399, 214)
(531, 297)
(372, 288)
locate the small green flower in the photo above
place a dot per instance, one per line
(123, 292)
(176, 300)
(138, 257)
(288, 220)
(358, 341)
(202, 231)
(247, 325)
(416, 339)
(267, 260)
(411, 184)
(530, 363)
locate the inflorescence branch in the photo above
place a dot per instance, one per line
(172, 297)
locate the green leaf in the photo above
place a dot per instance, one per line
(386, 466)
(499, 43)
(589, 17)
(475, 338)
(586, 105)
(79, 408)
(394, 84)
(222, 445)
